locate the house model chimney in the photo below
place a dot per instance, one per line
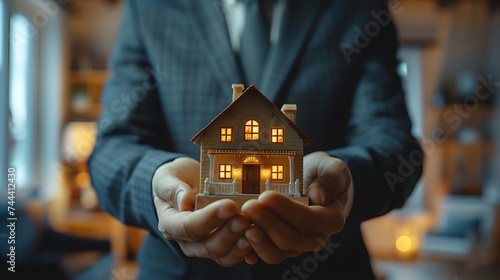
(237, 90)
(290, 110)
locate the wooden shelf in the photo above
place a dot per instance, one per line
(482, 112)
(92, 113)
(479, 147)
(89, 76)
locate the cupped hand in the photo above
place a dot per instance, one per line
(285, 228)
(215, 232)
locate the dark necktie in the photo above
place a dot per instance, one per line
(254, 44)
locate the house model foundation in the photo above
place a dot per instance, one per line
(250, 147)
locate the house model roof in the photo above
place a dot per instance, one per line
(252, 90)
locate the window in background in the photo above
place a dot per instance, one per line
(410, 71)
(21, 98)
(1, 33)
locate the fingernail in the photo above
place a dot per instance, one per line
(180, 195)
(238, 226)
(224, 213)
(242, 244)
(254, 211)
(254, 237)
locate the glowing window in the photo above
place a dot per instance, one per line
(225, 171)
(251, 130)
(251, 160)
(277, 135)
(226, 134)
(277, 172)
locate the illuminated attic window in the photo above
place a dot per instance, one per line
(252, 130)
(277, 135)
(226, 134)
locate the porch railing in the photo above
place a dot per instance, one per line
(211, 188)
(286, 189)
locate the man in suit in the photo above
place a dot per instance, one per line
(172, 66)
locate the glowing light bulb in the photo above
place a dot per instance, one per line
(403, 243)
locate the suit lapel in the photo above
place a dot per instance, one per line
(213, 29)
(295, 30)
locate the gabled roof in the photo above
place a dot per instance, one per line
(252, 89)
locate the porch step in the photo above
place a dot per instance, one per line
(203, 200)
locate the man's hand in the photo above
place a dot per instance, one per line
(285, 228)
(215, 231)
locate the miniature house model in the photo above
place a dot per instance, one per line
(249, 148)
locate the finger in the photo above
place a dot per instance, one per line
(174, 191)
(326, 189)
(284, 236)
(325, 178)
(237, 253)
(306, 219)
(187, 170)
(220, 241)
(251, 258)
(323, 191)
(225, 237)
(173, 180)
(194, 226)
(311, 162)
(265, 248)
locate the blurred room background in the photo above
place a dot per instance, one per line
(53, 64)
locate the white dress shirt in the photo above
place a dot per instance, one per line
(234, 12)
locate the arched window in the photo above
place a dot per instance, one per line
(251, 130)
(251, 160)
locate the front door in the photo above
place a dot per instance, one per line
(251, 178)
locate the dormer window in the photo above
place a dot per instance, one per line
(226, 134)
(277, 135)
(252, 130)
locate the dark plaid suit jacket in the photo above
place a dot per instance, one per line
(172, 70)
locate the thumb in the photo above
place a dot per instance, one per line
(319, 191)
(174, 191)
